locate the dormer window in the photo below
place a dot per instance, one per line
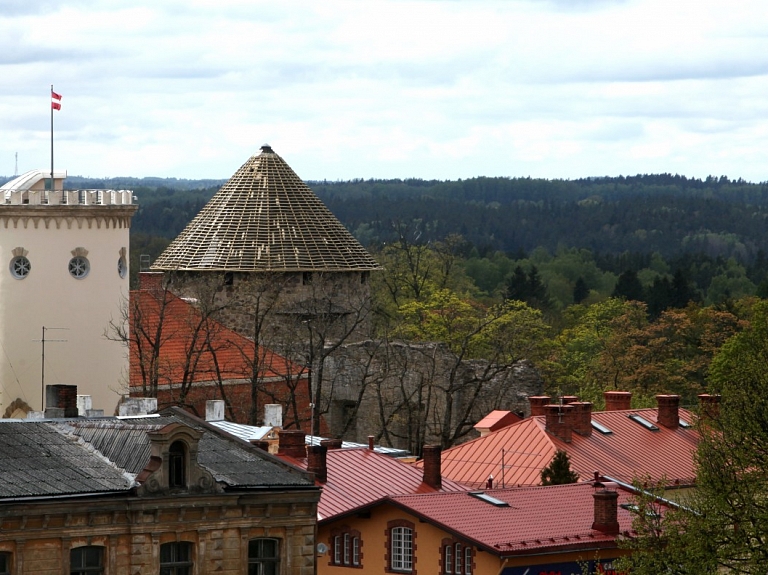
(177, 477)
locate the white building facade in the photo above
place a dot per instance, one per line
(63, 267)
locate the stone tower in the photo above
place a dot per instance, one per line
(66, 255)
(272, 259)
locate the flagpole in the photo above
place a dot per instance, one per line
(51, 140)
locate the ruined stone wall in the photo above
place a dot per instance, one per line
(405, 394)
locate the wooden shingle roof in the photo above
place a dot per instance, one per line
(265, 219)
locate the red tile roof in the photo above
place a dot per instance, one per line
(360, 477)
(538, 519)
(181, 339)
(525, 448)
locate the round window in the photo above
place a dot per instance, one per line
(79, 267)
(20, 267)
(122, 267)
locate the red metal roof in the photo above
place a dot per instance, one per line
(554, 518)
(182, 338)
(359, 477)
(525, 448)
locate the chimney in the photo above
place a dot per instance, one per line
(137, 406)
(214, 410)
(317, 462)
(617, 400)
(559, 421)
(537, 403)
(331, 443)
(152, 281)
(566, 399)
(63, 397)
(370, 442)
(709, 406)
(606, 509)
(261, 444)
(582, 418)
(431, 455)
(273, 415)
(668, 415)
(291, 443)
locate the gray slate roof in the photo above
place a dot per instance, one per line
(265, 219)
(36, 460)
(229, 461)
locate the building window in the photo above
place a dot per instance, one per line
(177, 466)
(263, 557)
(176, 558)
(458, 557)
(467, 560)
(79, 267)
(122, 267)
(364, 277)
(20, 267)
(5, 564)
(346, 546)
(401, 549)
(448, 559)
(86, 560)
(306, 278)
(356, 551)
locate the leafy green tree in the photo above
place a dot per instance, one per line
(559, 471)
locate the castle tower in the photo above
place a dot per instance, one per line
(266, 228)
(65, 266)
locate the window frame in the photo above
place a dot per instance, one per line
(345, 548)
(356, 551)
(177, 565)
(177, 465)
(256, 563)
(337, 550)
(79, 267)
(20, 267)
(81, 552)
(468, 560)
(7, 557)
(448, 559)
(401, 549)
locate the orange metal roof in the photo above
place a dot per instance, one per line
(497, 419)
(181, 339)
(538, 519)
(515, 455)
(360, 477)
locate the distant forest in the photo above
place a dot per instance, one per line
(667, 223)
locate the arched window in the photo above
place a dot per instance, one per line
(176, 558)
(458, 559)
(177, 455)
(467, 560)
(401, 549)
(263, 557)
(86, 560)
(448, 559)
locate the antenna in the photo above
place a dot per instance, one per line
(16, 169)
(42, 374)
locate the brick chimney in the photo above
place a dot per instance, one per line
(709, 405)
(537, 403)
(291, 443)
(582, 419)
(431, 455)
(668, 415)
(606, 509)
(63, 397)
(331, 443)
(152, 281)
(316, 462)
(566, 399)
(617, 400)
(559, 421)
(261, 444)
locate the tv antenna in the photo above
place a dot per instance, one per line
(42, 372)
(16, 169)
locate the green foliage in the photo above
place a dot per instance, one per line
(559, 472)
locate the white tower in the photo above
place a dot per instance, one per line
(63, 264)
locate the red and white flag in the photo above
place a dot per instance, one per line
(55, 100)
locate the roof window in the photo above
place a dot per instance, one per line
(601, 428)
(644, 422)
(685, 425)
(482, 496)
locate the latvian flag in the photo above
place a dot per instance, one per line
(55, 100)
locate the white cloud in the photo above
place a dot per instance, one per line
(387, 88)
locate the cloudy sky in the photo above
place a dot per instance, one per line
(387, 88)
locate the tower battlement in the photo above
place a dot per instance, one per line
(16, 197)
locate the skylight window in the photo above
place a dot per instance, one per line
(685, 424)
(644, 422)
(601, 428)
(482, 496)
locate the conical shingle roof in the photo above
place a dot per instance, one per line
(265, 218)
